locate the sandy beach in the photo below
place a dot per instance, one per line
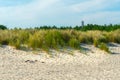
(95, 65)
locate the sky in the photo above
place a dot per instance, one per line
(33, 13)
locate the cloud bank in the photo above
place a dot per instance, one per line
(59, 12)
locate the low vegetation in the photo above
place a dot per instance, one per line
(54, 38)
(104, 47)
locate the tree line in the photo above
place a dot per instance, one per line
(84, 28)
(3, 27)
(87, 27)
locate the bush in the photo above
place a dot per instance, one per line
(66, 36)
(15, 42)
(53, 39)
(74, 43)
(114, 36)
(96, 42)
(23, 36)
(36, 40)
(104, 47)
(3, 27)
(82, 37)
(4, 37)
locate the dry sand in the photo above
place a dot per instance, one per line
(95, 65)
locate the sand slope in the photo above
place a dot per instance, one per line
(96, 65)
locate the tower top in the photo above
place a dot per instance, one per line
(82, 23)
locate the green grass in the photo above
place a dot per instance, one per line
(95, 42)
(55, 39)
(104, 47)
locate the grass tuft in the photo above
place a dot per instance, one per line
(104, 47)
(55, 38)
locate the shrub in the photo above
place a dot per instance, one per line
(36, 40)
(15, 42)
(3, 27)
(32, 42)
(96, 35)
(4, 37)
(96, 42)
(116, 36)
(83, 38)
(53, 39)
(66, 36)
(74, 43)
(104, 47)
(49, 40)
(23, 36)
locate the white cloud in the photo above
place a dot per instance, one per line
(102, 17)
(93, 5)
(25, 13)
(59, 12)
(86, 6)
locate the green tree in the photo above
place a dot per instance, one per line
(3, 27)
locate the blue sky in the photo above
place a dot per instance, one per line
(31, 13)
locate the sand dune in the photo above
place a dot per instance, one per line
(95, 65)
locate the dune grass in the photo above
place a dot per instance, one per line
(55, 39)
(104, 47)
